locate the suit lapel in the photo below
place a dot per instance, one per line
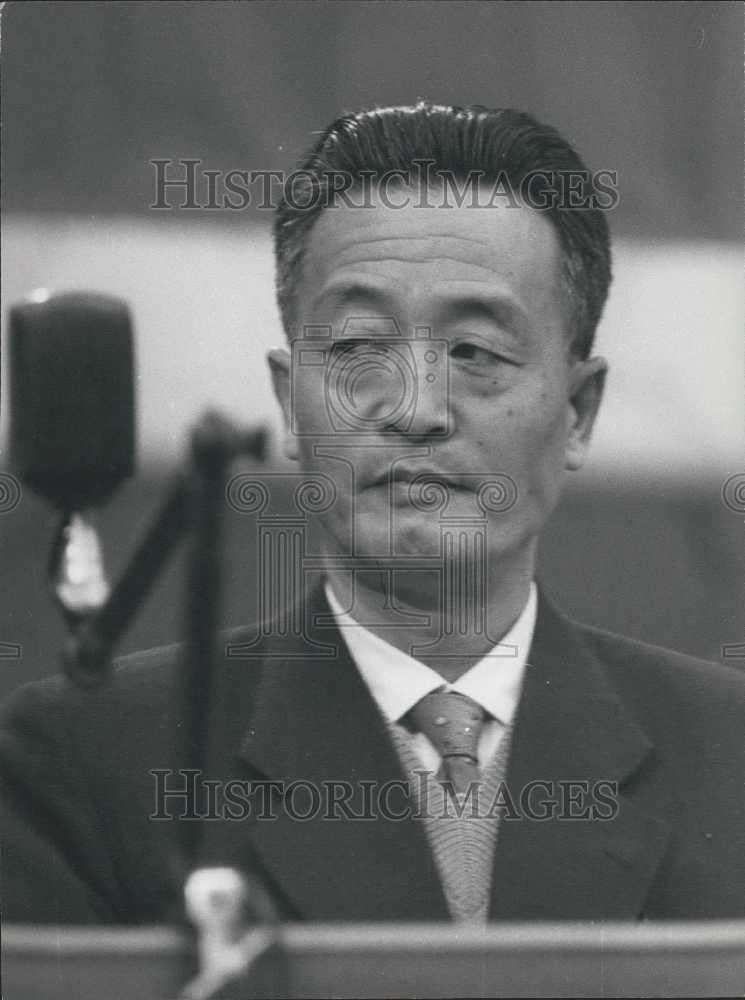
(571, 726)
(312, 723)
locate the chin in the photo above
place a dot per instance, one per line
(417, 540)
(408, 544)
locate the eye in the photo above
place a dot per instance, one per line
(476, 354)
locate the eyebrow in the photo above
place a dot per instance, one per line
(342, 292)
(454, 305)
(498, 308)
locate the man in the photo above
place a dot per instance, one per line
(423, 737)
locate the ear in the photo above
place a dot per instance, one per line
(278, 359)
(586, 392)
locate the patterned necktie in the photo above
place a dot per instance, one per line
(452, 722)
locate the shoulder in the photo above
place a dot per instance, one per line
(655, 665)
(668, 689)
(140, 687)
(138, 675)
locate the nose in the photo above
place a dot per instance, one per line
(428, 413)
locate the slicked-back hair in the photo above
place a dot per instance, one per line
(497, 145)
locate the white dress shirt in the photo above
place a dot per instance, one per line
(397, 681)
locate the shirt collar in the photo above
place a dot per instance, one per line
(397, 681)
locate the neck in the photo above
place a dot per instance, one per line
(449, 629)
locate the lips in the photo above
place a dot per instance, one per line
(421, 476)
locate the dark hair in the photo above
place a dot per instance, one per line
(496, 144)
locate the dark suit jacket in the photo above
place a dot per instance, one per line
(79, 845)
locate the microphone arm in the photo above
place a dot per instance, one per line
(193, 506)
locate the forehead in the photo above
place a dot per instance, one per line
(429, 256)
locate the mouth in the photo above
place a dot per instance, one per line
(418, 479)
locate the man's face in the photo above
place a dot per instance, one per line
(497, 396)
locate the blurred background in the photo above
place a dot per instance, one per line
(643, 542)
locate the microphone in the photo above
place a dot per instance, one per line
(72, 426)
(72, 433)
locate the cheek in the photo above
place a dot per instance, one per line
(555, 426)
(522, 431)
(525, 439)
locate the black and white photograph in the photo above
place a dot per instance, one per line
(372, 499)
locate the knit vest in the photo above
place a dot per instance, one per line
(463, 836)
